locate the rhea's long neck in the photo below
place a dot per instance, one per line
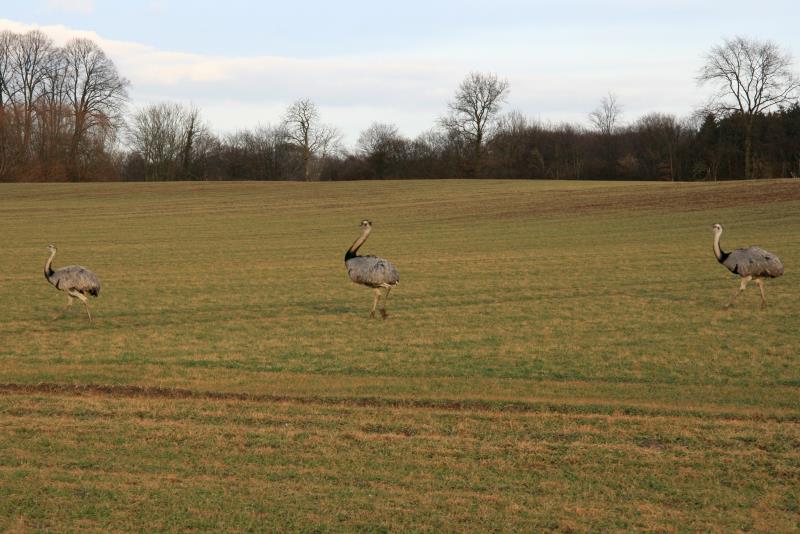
(351, 252)
(717, 250)
(48, 270)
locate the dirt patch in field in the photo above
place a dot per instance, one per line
(687, 197)
(669, 196)
(132, 391)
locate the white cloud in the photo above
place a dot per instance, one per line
(241, 92)
(410, 90)
(71, 6)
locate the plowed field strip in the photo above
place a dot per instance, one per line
(132, 391)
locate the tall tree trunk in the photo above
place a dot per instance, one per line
(186, 156)
(476, 170)
(748, 149)
(73, 172)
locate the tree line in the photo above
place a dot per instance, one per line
(64, 117)
(61, 109)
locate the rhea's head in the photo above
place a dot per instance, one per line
(51, 247)
(366, 225)
(716, 228)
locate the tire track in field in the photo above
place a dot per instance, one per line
(464, 405)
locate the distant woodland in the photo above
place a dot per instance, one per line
(65, 115)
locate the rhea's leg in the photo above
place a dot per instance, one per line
(375, 302)
(763, 298)
(385, 299)
(85, 303)
(70, 300)
(738, 291)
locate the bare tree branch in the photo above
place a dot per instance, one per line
(474, 110)
(606, 117)
(165, 135)
(750, 77)
(301, 122)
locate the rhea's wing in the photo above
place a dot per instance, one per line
(754, 261)
(78, 278)
(372, 271)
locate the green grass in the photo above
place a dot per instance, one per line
(556, 357)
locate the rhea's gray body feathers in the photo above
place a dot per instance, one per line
(76, 278)
(76, 281)
(372, 271)
(753, 261)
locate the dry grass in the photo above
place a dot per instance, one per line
(556, 358)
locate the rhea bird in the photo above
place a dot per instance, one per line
(751, 263)
(76, 281)
(371, 271)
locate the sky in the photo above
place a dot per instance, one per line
(242, 63)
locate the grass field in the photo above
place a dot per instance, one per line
(556, 358)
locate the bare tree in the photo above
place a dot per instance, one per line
(383, 149)
(96, 93)
(376, 137)
(303, 128)
(7, 72)
(53, 116)
(30, 57)
(750, 77)
(514, 123)
(259, 154)
(165, 135)
(192, 130)
(56, 106)
(657, 141)
(606, 117)
(9, 146)
(474, 110)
